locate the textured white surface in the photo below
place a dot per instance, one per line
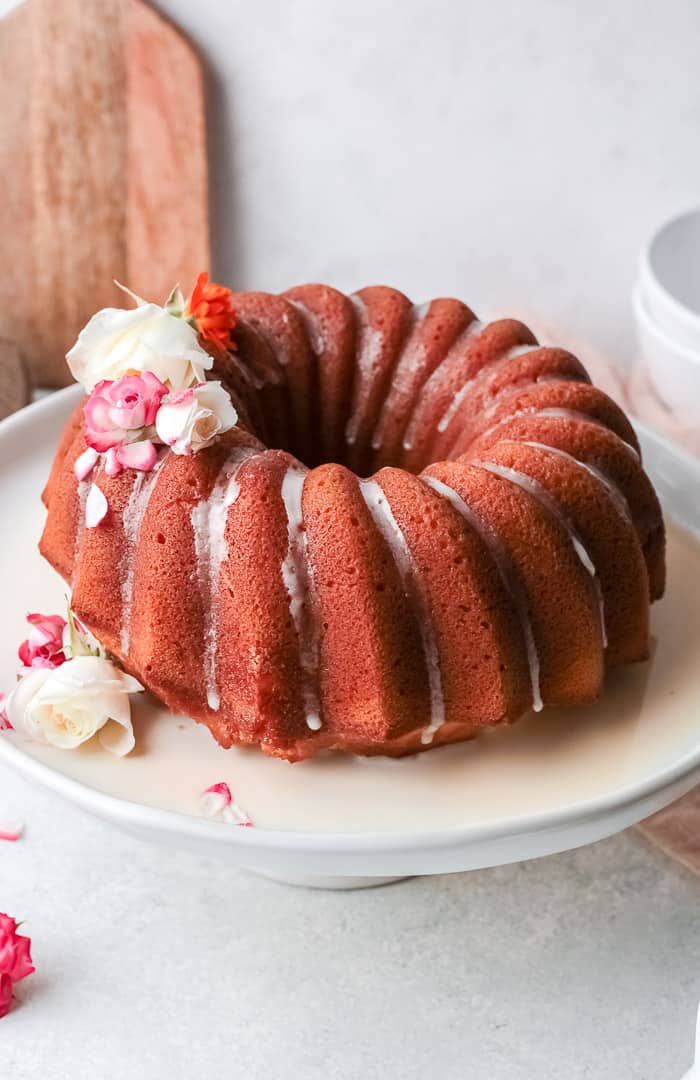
(515, 155)
(165, 966)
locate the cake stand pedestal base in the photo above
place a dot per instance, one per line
(323, 881)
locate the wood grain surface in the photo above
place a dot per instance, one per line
(15, 391)
(104, 156)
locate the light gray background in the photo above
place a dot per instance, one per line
(515, 155)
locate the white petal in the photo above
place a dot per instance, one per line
(146, 338)
(17, 704)
(117, 736)
(85, 463)
(96, 507)
(213, 396)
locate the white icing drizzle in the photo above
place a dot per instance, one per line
(453, 408)
(456, 349)
(561, 414)
(508, 576)
(410, 360)
(298, 580)
(514, 388)
(248, 375)
(368, 353)
(533, 488)
(313, 324)
(209, 517)
(378, 506)
(83, 488)
(614, 492)
(132, 517)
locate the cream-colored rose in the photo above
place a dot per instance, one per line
(190, 420)
(145, 338)
(68, 705)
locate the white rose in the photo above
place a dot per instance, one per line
(145, 338)
(67, 705)
(190, 420)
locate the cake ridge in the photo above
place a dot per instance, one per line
(209, 518)
(297, 575)
(379, 507)
(507, 572)
(536, 491)
(132, 518)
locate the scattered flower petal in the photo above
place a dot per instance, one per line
(217, 801)
(137, 455)
(233, 815)
(112, 466)
(86, 463)
(215, 798)
(6, 994)
(95, 507)
(15, 951)
(12, 832)
(5, 724)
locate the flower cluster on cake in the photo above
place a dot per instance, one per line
(144, 371)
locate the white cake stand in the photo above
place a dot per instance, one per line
(553, 782)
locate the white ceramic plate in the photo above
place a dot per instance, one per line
(554, 781)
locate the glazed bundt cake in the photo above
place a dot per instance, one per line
(422, 526)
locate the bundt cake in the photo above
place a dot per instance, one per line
(421, 526)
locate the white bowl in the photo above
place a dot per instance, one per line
(673, 367)
(556, 780)
(669, 279)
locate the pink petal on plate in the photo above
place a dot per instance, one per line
(5, 724)
(85, 463)
(12, 832)
(233, 815)
(138, 455)
(215, 799)
(218, 801)
(96, 507)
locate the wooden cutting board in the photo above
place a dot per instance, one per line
(103, 156)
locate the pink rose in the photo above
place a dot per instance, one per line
(117, 412)
(44, 646)
(15, 951)
(5, 994)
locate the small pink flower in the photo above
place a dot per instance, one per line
(15, 951)
(5, 994)
(44, 646)
(5, 724)
(117, 411)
